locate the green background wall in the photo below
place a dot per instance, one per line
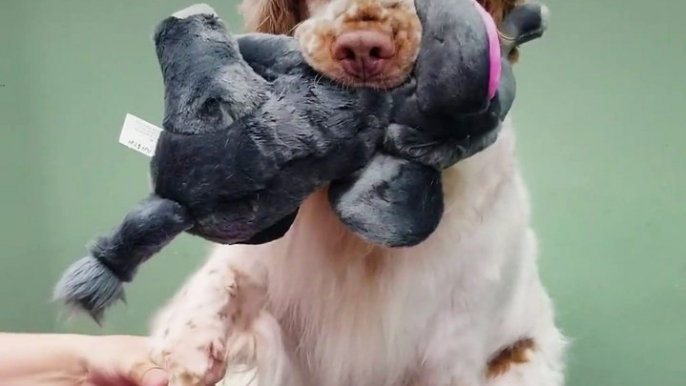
(601, 133)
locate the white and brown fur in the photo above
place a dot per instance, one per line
(320, 307)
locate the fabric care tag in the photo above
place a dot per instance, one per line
(139, 135)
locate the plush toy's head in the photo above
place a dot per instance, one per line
(199, 61)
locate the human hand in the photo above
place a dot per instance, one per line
(120, 360)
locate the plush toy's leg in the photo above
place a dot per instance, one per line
(94, 283)
(207, 83)
(397, 200)
(391, 202)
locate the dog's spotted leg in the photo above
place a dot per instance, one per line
(190, 335)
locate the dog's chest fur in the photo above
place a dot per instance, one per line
(354, 314)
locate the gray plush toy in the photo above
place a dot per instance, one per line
(250, 130)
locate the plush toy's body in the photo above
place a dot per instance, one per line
(250, 130)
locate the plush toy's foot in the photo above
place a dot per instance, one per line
(392, 202)
(196, 9)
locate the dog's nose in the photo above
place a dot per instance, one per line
(363, 54)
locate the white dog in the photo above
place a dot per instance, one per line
(320, 307)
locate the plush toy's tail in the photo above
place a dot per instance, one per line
(94, 283)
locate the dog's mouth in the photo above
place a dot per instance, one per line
(377, 83)
(369, 45)
(380, 82)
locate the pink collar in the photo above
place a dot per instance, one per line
(493, 50)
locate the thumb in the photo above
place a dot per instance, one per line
(148, 374)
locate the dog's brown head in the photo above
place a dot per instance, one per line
(355, 42)
(371, 43)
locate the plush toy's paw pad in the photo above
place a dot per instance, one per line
(196, 9)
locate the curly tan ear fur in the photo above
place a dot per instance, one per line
(272, 16)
